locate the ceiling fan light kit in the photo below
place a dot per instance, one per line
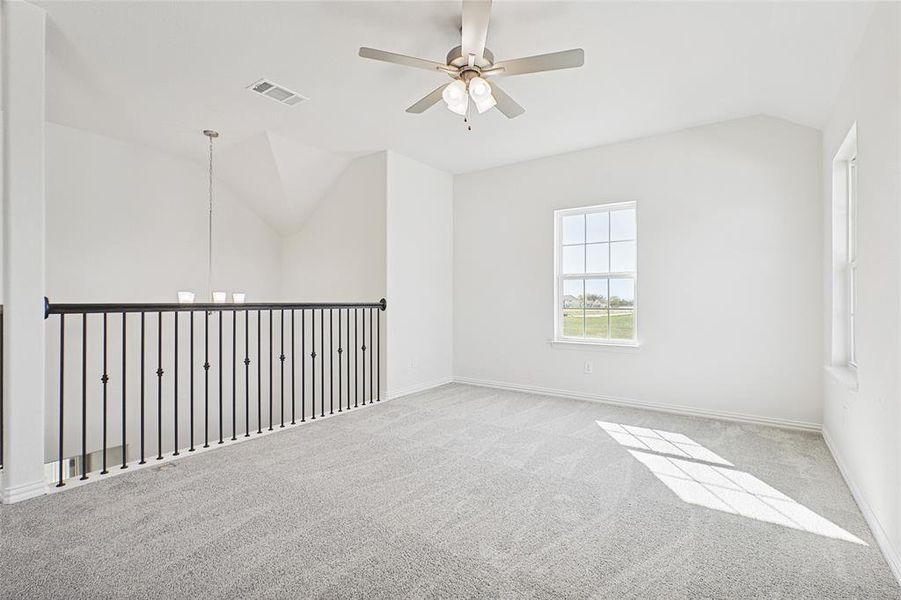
(470, 63)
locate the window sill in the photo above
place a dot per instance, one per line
(844, 375)
(626, 346)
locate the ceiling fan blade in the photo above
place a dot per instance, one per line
(567, 59)
(505, 103)
(402, 59)
(428, 102)
(475, 27)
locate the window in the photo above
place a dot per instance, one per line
(596, 274)
(844, 259)
(852, 257)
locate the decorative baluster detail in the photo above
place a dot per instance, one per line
(331, 365)
(246, 373)
(322, 361)
(293, 422)
(159, 388)
(62, 392)
(219, 372)
(175, 385)
(363, 328)
(234, 374)
(206, 379)
(104, 379)
(270, 370)
(340, 352)
(143, 369)
(259, 372)
(378, 356)
(313, 363)
(124, 396)
(191, 383)
(281, 359)
(303, 366)
(84, 396)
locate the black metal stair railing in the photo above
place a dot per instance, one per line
(341, 366)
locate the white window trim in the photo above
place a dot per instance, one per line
(576, 342)
(852, 260)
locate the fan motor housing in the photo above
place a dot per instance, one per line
(456, 59)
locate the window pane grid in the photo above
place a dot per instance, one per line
(596, 274)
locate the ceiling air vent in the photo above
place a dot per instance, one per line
(276, 92)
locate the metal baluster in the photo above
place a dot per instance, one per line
(371, 352)
(159, 388)
(1, 387)
(363, 315)
(84, 396)
(124, 445)
(259, 373)
(349, 346)
(142, 461)
(303, 366)
(62, 386)
(175, 386)
(281, 358)
(313, 363)
(219, 372)
(293, 422)
(331, 365)
(191, 372)
(340, 352)
(378, 356)
(234, 372)
(206, 379)
(246, 373)
(270, 370)
(322, 361)
(356, 363)
(104, 380)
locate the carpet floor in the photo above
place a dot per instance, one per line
(465, 492)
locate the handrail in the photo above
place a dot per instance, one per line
(93, 308)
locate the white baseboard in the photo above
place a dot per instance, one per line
(419, 387)
(668, 408)
(22, 492)
(892, 556)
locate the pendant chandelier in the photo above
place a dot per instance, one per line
(214, 296)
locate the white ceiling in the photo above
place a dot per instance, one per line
(159, 72)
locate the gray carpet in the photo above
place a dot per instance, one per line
(457, 492)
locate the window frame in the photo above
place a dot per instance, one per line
(851, 267)
(560, 277)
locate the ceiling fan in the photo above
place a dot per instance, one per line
(471, 63)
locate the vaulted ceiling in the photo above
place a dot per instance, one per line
(158, 72)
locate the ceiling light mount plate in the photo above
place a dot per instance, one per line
(210, 133)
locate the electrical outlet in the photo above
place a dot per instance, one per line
(589, 367)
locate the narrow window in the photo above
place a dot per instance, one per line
(852, 258)
(845, 200)
(596, 273)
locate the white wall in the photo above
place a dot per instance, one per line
(339, 254)
(420, 275)
(862, 426)
(729, 271)
(126, 223)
